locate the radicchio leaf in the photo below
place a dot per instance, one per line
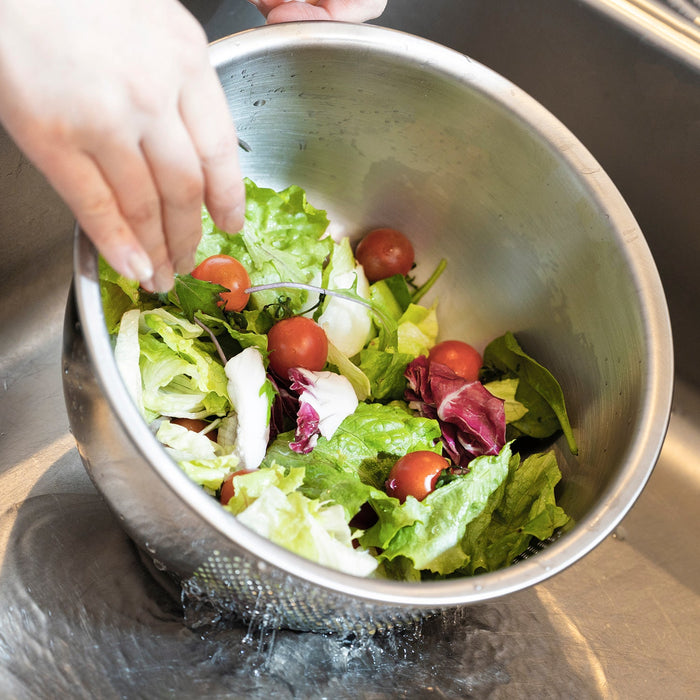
(284, 408)
(471, 419)
(325, 400)
(307, 431)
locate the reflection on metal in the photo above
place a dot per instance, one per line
(567, 628)
(657, 23)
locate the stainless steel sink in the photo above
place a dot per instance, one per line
(81, 616)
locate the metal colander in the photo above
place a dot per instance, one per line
(380, 128)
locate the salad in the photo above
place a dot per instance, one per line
(301, 383)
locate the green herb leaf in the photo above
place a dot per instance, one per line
(193, 295)
(537, 390)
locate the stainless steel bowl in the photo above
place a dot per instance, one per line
(384, 128)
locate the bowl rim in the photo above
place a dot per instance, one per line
(652, 423)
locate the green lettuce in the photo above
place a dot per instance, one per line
(268, 502)
(353, 465)
(167, 368)
(418, 330)
(282, 240)
(118, 293)
(523, 508)
(385, 372)
(538, 391)
(433, 541)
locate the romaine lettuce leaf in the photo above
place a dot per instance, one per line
(179, 375)
(433, 540)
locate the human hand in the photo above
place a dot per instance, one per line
(342, 10)
(117, 104)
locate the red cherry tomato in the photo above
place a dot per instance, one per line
(415, 474)
(229, 273)
(227, 489)
(460, 357)
(195, 425)
(383, 253)
(297, 342)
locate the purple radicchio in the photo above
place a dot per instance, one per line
(325, 400)
(285, 407)
(472, 420)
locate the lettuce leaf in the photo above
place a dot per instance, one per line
(418, 330)
(522, 509)
(537, 390)
(386, 373)
(167, 368)
(267, 502)
(118, 293)
(433, 541)
(352, 466)
(281, 241)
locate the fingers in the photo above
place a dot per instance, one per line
(80, 182)
(133, 141)
(140, 203)
(177, 175)
(205, 113)
(136, 187)
(341, 10)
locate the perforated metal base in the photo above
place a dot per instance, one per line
(231, 590)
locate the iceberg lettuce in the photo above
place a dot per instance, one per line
(268, 502)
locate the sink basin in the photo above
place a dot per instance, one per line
(623, 622)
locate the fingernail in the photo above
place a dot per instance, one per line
(139, 265)
(163, 281)
(185, 264)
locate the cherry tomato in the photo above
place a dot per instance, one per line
(297, 342)
(227, 489)
(460, 357)
(229, 273)
(415, 474)
(195, 425)
(385, 252)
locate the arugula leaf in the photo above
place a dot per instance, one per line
(537, 390)
(193, 295)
